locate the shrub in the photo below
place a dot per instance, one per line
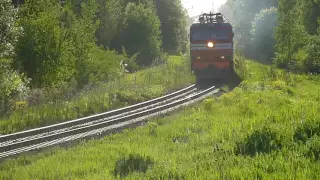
(12, 84)
(208, 104)
(313, 148)
(263, 140)
(307, 130)
(241, 67)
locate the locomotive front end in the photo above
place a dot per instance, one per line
(211, 47)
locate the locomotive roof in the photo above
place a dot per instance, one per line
(211, 19)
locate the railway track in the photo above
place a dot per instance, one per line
(39, 138)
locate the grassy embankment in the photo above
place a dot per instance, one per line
(265, 128)
(127, 90)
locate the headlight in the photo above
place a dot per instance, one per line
(210, 45)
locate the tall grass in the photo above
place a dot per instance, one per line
(127, 90)
(267, 128)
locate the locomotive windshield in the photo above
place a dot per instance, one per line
(207, 34)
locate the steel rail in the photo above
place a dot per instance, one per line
(28, 138)
(106, 125)
(84, 120)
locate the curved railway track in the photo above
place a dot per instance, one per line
(39, 138)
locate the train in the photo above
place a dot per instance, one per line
(211, 39)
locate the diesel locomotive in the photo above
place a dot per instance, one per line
(211, 47)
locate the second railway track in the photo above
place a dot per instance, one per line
(34, 139)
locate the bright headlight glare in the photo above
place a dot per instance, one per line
(210, 44)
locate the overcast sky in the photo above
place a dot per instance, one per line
(195, 7)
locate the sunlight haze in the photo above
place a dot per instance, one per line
(195, 7)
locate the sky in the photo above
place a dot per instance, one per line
(195, 7)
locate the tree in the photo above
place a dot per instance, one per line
(141, 33)
(171, 14)
(93, 64)
(173, 20)
(40, 48)
(244, 12)
(82, 38)
(226, 10)
(296, 35)
(287, 27)
(76, 39)
(110, 14)
(8, 30)
(263, 40)
(11, 82)
(313, 51)
(310, 10)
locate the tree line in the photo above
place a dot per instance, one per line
(47, 43)
(283, 32)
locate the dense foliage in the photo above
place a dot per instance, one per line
(173, 25)
(11, 82)
(262, 36)
(141, 26)
(298, 35)
(241, 13)
(284, 30)
(126, 90)
(8, 31)
(41, 50)
(81, 43)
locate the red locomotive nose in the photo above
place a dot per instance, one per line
(211, 46)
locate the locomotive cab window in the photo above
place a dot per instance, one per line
(206, 34)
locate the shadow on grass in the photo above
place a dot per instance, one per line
(261, 141)
(133, 163)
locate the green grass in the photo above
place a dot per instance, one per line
(127, 90)
(267, 128)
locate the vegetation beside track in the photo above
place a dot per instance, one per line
(51, 52)
(127, 90)
(268, 127)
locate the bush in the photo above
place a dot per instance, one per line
(102, 65)
(263, 140)
(307, 130)
(208, 104)
(301, 61)
(12, 85)
(313, 148)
